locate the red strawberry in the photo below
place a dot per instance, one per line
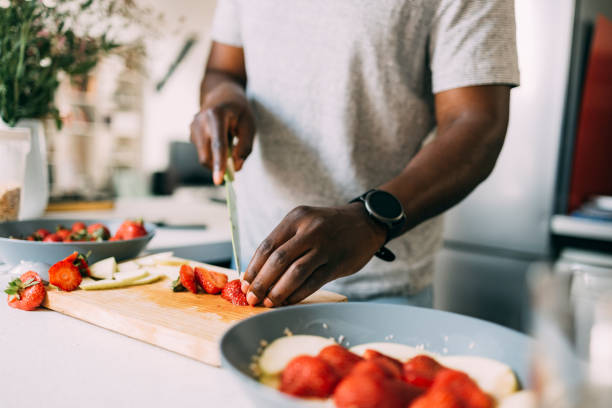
(233, 293)
(98, 232)
(421, 371)
(392, 365)
(80, 261)
(437, 398)
(131, 229)
(212, 282)
(42, 233)
(63, 233)
(463, 387)
(65, 275)
(188, 278)
(307, 376)
(78, 226)
(26, 292)
(365, 391)
(340, 359)
(374, 368)
(31, 238)
(53, 238)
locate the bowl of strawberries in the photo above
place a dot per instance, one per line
(47, 240)
(370, 355)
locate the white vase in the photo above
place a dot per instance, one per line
(36, 187)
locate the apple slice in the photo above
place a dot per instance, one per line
(399, 352)
(152, 277)
(121, 280)
(104, 269)
(492, 376)
(151, 260)
(521, 399)
(127, 266)
(282, 350)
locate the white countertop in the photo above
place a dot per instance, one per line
(50, 360)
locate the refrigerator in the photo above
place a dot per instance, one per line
(493, 236)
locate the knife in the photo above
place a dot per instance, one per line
(233, 212)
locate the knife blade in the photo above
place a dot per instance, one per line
(233, 211)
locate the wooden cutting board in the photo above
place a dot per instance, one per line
(188, 324)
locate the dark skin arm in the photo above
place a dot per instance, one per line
(313, 246)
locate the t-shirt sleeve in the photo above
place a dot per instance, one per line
(226, 23)
(473, 42)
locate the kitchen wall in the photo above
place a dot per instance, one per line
(168, 113)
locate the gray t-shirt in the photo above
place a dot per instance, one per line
(342, 91)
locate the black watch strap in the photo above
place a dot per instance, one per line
(393, 231)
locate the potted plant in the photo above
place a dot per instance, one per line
(39, 41)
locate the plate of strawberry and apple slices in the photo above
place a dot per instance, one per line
(47, 240)
(366, 355)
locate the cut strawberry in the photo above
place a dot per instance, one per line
(307, 376)
(188, 278)
(463, 387)
(340, 359)
(365, 391)
(26, 292)
(80, 261)
(421, 371)
(392, 365)
(233, 293)
(437, 398)
(65, 275)
(212, 282)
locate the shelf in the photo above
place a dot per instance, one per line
(568, 226)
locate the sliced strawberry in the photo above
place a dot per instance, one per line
(374, 368)
(26, 292)
(65, 275)
(233, 293)
(212, 282)
(463, 387)
(80, 261)
(437, 398)
(340, 359)
(392, 365)
(188, 278)
(365, 391)
(307, 376)
(421, 371)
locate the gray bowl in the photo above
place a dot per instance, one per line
(13, 251)
(358, 323)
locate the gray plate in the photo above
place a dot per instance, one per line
(438, 331)
(12, 251)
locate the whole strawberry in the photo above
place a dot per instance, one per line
(26, 292)
(98, 232)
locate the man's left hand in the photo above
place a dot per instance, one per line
(310, 247)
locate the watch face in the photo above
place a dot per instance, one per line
(384, 204)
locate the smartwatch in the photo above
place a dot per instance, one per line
(386, 210)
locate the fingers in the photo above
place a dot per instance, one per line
(275, 266)
(317, 279)
(245, 131)
(298, 273)
(218, 125)
(199, 137)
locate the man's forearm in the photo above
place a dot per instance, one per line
(446, 170)
(220, 87)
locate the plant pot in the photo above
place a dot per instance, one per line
(36, 186)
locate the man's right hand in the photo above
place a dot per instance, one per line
(226, 116)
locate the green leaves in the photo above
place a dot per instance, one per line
(177, 286)
(16, 286)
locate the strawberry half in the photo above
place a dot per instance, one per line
(307, 376)
(212, 282)
(80, 261)
(187, 278)
(232, 292)
(26, 292)
(421, 371)
(65, 275)
(389, 363)
(340, 359)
